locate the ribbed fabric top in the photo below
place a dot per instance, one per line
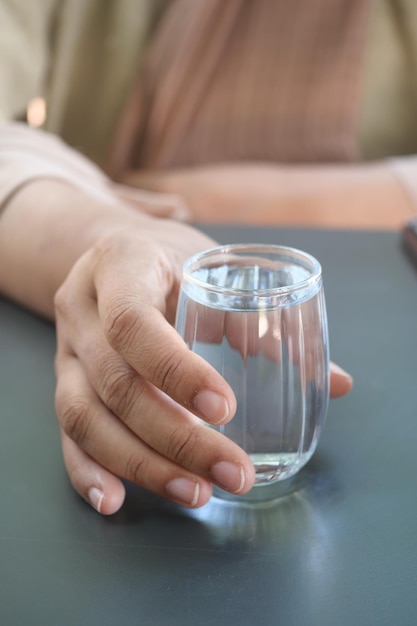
(269, 80)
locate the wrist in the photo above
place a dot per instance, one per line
(45, 227)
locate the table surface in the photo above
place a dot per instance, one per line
(339, 551)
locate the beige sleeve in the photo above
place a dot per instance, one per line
(24, 42)
(27, 154)
(405, 169)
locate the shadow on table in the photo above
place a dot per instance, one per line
(232, 525)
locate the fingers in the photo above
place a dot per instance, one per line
(101, 489)
(340, 381)
(99, 440)
(156, 352)
(155, 419)
(252, 334)
(129, 391)
(106, 442)
(135, 328)
(121, 422)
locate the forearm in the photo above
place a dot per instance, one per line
(339, 196)
(54, 204)
(44, 228)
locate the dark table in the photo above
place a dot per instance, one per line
(339, 551)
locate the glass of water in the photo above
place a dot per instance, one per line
(257, 314)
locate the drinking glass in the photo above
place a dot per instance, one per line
(257, 314)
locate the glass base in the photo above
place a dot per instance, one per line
(261, 494)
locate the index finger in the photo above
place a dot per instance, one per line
(154, 349)
(131, 301)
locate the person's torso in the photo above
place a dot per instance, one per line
(99, 49)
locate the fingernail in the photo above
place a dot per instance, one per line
(229, 476)
(95, 498)
(338, 370)
(184, 490)
(212, 406)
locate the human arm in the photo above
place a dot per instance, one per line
(373, 195)
(54, 228)
(124, 262)
(72, 249)
(128, 389)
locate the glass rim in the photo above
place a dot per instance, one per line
(287, 253)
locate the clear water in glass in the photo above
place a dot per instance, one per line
(257, 314)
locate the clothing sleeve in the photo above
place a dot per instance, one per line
(27, 154)
(24, 51)
(405, 169)
(28, 31)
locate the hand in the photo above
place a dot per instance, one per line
(128, 389)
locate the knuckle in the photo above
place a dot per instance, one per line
(119, 388)
(121, 325)
(61, 303)
(183, 446)
(167, 372)
(136, 469)
(74, 417)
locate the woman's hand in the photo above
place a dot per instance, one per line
(129, 392)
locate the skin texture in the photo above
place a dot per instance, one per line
(128, 391)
